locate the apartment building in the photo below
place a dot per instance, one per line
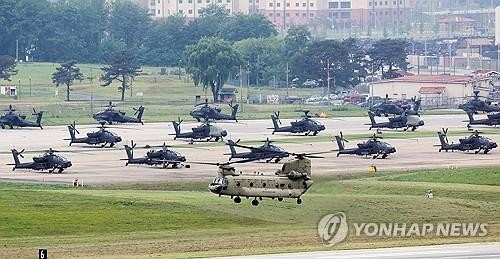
(191, 8)
(336, 14)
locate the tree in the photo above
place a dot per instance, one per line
(262, 57)
(344, 59)
(213, 59)
(241, 26)
(123, 68)
(390, 53)
(65, 75)
(7, 67)
(166, 42)
(129, 23)
(296, 39)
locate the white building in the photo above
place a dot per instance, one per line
(434, 90)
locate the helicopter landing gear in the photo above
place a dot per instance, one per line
(280, 198)
(299, 201)
(60, 170)
(414, 128)
(255, 202)
(486, 151)
(315, 133)
(237, 199)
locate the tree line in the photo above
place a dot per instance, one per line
(212, 48)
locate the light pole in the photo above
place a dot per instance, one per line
(328, 78)
(19, 90)
(180, 61)
(30, 84)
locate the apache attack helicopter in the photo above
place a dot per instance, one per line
(111, 115)
(163, 157)
(47, 161)
(492, 119)
(11, 119)
(473, 142)
(292, 181)
(101, 137)
(387, 107)
(403, 121)
(304, 125)
(204, 131)
(373, 147)
(203, 111)
(474, 104)
(266, 151)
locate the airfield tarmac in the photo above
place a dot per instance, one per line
(96, 166)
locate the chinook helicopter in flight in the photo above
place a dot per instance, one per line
(304, 125)
(492, 119)
(111, 115)
(266, 151)
(204, 131)
(47, 161)
(475, 105)
(373, 147)
(291, 181)
(403, 121)
(101, 137)
(473, 142)
(203, 111)
(163, 157)
(11, 119)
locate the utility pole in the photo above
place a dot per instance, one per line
(91, 78)
(241, 88)
(287, 78)
(17, 50)
(30, 84)
(328, 79)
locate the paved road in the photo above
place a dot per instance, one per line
(455, 251)
(103, 166)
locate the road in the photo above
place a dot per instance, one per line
(454, 251)
(103, 166)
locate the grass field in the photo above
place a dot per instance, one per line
(165, 97)
(182, 219)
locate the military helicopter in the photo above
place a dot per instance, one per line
(492, 119)
(204, 131)
(266, 151)
(292, 181)
(387, 107)
(305, 125)
(473, 142)
(11, 119)
(474, 104)
(163, 157)
(111, 115)
(403, 121)
(47, 161)
(204, 111)
(101, 137)
(373, 147)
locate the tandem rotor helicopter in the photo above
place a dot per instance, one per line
(290, 182)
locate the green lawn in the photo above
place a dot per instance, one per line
(181, 218)
(166, 97)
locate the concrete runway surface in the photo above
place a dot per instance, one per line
(103, 166)
(454, 251)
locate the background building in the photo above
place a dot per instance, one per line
(191, 8)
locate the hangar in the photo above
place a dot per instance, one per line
(434, 90)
